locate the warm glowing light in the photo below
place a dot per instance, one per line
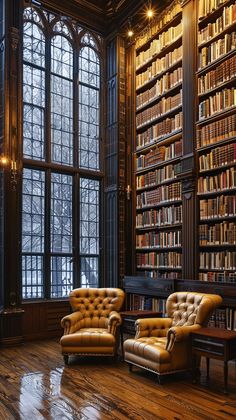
(149, 13)
(130, 32)
(3, 160)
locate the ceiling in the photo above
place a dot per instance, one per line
(101, 15)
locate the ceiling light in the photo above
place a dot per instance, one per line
(149, 13)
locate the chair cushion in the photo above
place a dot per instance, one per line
(150, 348)
(87, 337)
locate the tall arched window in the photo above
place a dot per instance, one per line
(61, 180)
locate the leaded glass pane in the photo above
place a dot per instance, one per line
(33, 86)
(33, 132)
(61, 27)
(62, 57)
(61, 276)
(89, 272)
(89, 116)
(33, 44)
(61, 213)
(33, 207)
(62, 102)
(32, 277)
(89, 67)
(31, 14)
(88, 39)
(89, 216)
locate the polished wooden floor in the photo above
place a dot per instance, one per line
(35, 384)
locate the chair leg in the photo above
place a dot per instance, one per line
(130, 367)
(66, 359)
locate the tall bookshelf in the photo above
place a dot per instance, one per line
(215, 136)
(159, 147)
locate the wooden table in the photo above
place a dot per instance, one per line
(215, 343)
(128, 322)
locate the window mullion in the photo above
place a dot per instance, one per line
(47, 258)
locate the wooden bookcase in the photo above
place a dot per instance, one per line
(158, 147)
(192, 234)
(216, 146)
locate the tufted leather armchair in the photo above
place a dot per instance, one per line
(163, 345)
(92, 327)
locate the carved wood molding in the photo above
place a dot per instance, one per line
(14, 38)
(188, 187)
(184, 2)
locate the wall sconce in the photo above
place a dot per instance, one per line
(128, 192)
(4, 160)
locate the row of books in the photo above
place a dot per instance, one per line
(218, 157)
(157, 25)
(157, 45)
(152, 178)
(163, 106)
(218, 207)
(219, 234)
(146, 303)
(221, 260)
(206, 7)
(221, 277)
(224, 72)
(159, 273)
(167, 82)
(221, 101)
(216, 131)
(213, 29)
(165, 216)
(162, 194)
(159, 66)
(216, 50)
(225, 180)
(159, 260)
(223, 318)
(160, 130)
(159, 240)
(159, 154)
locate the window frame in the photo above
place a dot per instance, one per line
(74, 170)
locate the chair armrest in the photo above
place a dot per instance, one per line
(114, 320)
(177, 334)
(145, 327)
(71, 322)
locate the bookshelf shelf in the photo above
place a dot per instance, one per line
(158, 149)
(218, 168)
(218, 36)
(215, 62)
(174, 44)
(166, 203)
(158, 228)
(163, 140)
(158, 76)
(219, 87)
(218, 192)
(159, 118)
(216, 145)
(157, 98)
(203, 21)
(217, 115)
(173, 22)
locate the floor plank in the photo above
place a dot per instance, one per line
(35, 385)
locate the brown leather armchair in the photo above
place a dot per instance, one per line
(92, 327)
(163, 345)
